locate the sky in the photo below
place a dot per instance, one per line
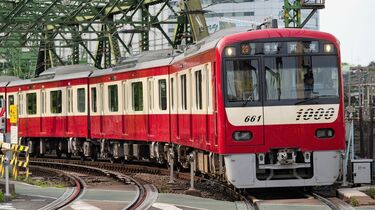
(353, 23)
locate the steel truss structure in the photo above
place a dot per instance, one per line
(117, 28)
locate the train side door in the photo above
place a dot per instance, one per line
(184, 126)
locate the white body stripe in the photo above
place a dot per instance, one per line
(282, 115)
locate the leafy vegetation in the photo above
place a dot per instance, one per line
(354, 201)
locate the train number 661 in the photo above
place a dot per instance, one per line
(253, 118)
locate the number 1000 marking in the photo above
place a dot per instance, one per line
(253, 118)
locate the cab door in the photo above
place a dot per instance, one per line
(243, 102)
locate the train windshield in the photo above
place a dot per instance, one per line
(301, 77)
(281, 80)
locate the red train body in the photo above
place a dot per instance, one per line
(262, 107)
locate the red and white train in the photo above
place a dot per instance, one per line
(263, 108)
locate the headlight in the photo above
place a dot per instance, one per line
(242, 135)
(230, 51)
(324, 133)
(328, 48)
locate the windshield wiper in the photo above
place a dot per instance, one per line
(307, 100)
(247, 100)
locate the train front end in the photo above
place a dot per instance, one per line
(282, 122)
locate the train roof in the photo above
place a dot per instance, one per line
(57, 74)
(145, 60)
(4, 80)
(210, 42)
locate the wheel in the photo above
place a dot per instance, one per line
(58, 153)
(83, 157)
(94, 157)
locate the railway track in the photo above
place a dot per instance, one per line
(70, 195)
(146, 193)
(333, 203)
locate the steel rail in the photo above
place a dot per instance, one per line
(146, 193)
(70, 195)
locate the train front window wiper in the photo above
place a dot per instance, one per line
(308, 100)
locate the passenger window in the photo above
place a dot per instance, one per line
(1, 101)
(113, 98)
(20, 104)
(183, 92)
(70, 100)
(172, 93)
(94, 107)
(56, 101)
(137, 93)
(31, 103)
(10, 101)
(81, 102)
(43, 102)
(162, 94)
(198, 90)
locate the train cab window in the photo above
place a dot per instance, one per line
(302, 77)
(198, 90)
(113, 98)
(31, 105)
(94, 106)
(163, 94)
(242, 80)
(137, 96)
(81, 102)
(56, 101)
(183, 92)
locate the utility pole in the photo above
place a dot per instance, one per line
(371, 137)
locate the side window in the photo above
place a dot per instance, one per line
(44, 102)
(70, 100)
(163, 94)
(1, 101)
(56, 101)
(94, 107)
(183, 92)
(31, 105)
(113, 98)
(20, 103)
(172, 93)
(137, 96)
(81, 102)
(10, 101)
(198, 90)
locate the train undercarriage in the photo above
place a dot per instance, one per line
(278, 168)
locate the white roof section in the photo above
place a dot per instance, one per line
(57, 74)
(209, 42)
(145, 60)
(4, 80)
(61, 70)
